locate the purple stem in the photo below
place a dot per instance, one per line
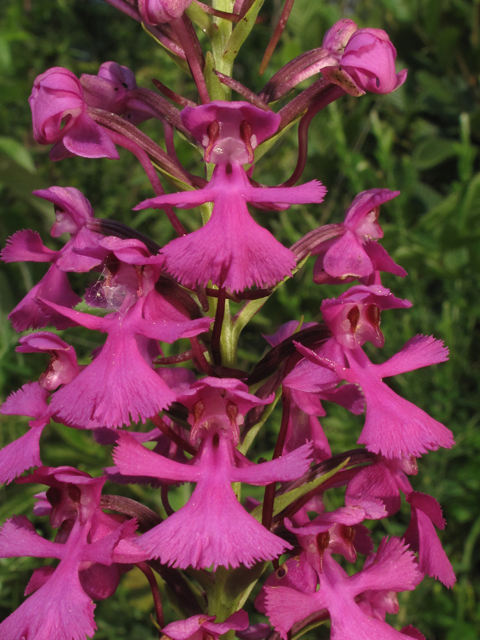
(298, 69)
(174, 97)
(287, 8)
(217, 328)
(174, 437)
(144, 160)
(201, 361)
(269, 498)
(243, 91)
(168, 133)
(166, 504)
(181, 357)
(148, 573)
(331, 94)
(184, 37)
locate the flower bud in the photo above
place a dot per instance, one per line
(60, 117)
(367, 64)
(161, 11)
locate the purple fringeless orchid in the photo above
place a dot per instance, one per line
(91, 546)
(121, 384)
(393, 426)
(353, 252)
(112, 89)
(231, 250)
(223, 534)
(393, 569)
(31, 400)
(357, 60)
(73, 213)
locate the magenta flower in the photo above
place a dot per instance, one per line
(309, 386)
(162, 11)
(24, 453)
(231, 250)
(31, 400)
(366, 60)
(380, 483)
(212, 528)
(330, 531)
(394, 569)
(61, 606)
(295, 573)
(354, 317)
(422, 537)
(357, 60)
(355, 252)
(120, 384)
(111, 90)
(220, 404)
(60, 117)
(73, 212)
(393, 426)
(201, 626)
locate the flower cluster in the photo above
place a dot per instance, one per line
(204, 418)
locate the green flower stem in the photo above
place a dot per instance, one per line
(240, 34)
(219, 39)
(229, 589)
(228, 340)
(251, 435)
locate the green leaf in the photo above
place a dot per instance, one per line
(227, 589)
(251, 435)
(200, 18)
(433, 151)
(308, 627)
(241, 32)
(17, 152)
(5, 54)
(216, 90)
(470, 207)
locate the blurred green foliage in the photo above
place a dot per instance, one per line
(422, 139)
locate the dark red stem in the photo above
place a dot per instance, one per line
(166, 504)
(181, 357)
(329, 96)
(174, 437)
(269, 498)
(217, 328)
(157, 600)
(276, 35)
(202, 363)
(174, 97)
(185, 37)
